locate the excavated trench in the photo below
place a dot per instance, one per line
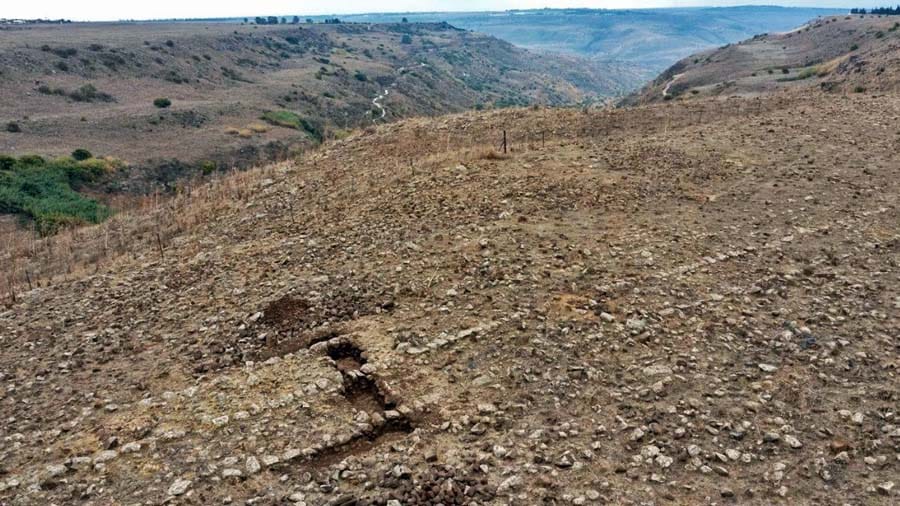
(365, 393)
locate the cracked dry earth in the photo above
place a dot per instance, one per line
(647, 308)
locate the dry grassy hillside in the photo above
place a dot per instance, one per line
(93, 86)
(842, 54)
(692, 302)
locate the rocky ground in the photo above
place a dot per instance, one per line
(675, 304)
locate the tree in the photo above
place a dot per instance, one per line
(296, 20)
(272, 20)
(284, 21)
(404, 20)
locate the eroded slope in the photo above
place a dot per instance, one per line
(685, 303)
(840, 54)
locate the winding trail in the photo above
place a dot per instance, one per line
(676, 77)
(377, 101)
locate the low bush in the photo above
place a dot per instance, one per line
(46, 191)
(162, 103)
(81, 154)
(87, 93)
(290, 119)
(207, 167)
(804, 74)
(62, 52)
(13, 127)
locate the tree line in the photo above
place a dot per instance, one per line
(274, 20)
(881, 11)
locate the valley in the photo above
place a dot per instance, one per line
(223, 79)
(646, 40)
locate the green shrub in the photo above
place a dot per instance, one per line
(81, 154)
(282, 118)
(803, 74)
(290, 119)
(207, 167)
(859, 89)
(62, 66)
(89, 93)
(45, 191)
(7, 162)
(162, 103)
(30, 161)
(854, 47)
(360, 76)
(13, 127)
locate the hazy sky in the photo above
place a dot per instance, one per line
(155, 9)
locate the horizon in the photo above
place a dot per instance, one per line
(468, 6)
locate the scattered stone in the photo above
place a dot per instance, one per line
(792, 441)
(509, 485)
(179, 487)
(252, 465)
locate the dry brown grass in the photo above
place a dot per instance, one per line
(491, 154)
(146, 229)
(153, 223)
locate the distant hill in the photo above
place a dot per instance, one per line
(650, 38)
(241, 94)
(836, 54)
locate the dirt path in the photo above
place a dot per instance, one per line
(676, 77)
(381, 96)
(376, 103)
